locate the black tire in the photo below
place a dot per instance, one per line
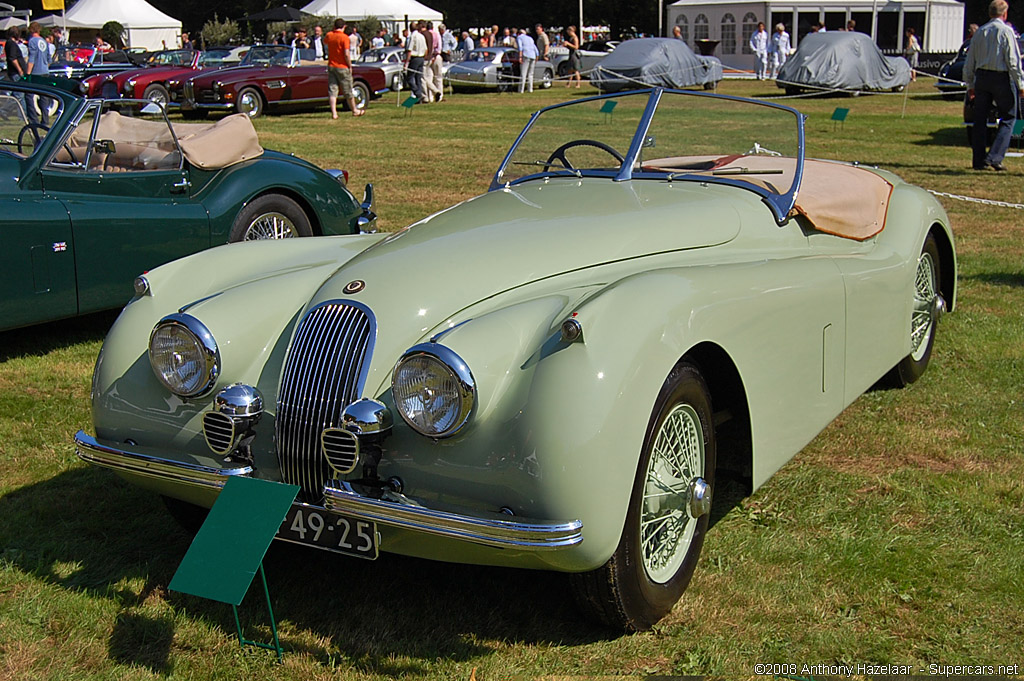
(710, 86)
(911, 367)
(792, 90)
(624, 593)
(156, 92)
(546, 80)
(189, 516)
(250, 102)
(271, 216)
(361, 93)
(563, 69)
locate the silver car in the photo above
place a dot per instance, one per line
(590, 52)
(391, 60)
(495, 68)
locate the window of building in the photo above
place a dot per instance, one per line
(749, 28)
(728, 34)
(700, 28)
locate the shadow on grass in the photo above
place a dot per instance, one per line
(391, 616)
(43, 338)
(998, 278)
(947, 137)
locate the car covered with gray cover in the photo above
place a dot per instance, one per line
(655, 62)
(842, 60)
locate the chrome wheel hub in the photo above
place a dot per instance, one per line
(675, 494)
(927, 306)
(271, 226)
(248, 104)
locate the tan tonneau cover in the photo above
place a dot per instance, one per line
(230, 140)
(835, 198)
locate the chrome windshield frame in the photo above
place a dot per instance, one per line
(781, 205)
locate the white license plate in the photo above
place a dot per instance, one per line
(312, 526)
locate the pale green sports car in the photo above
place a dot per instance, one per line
(657, 290)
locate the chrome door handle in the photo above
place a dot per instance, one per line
(180, 187)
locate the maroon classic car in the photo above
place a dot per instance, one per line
(272, 78)
(150, 81)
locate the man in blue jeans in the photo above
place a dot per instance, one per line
(994, 77)
(38, 64)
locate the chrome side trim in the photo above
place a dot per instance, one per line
(534, 535)
(120, 458)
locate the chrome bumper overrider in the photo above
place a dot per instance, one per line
(122, 458)
(407, 514)
(396, 511)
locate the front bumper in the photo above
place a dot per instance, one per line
(192, 105)
(392, 510)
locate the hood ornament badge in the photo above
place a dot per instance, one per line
(354, 286)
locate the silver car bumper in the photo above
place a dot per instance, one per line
(394, 510)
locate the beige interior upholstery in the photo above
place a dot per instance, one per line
(835, 198)
(147, 145)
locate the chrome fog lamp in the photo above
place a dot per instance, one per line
(229, 424)
(184, 355)
(433, 389)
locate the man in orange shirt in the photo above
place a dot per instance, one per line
(339, 69)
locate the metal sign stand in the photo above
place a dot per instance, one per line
(228, 550)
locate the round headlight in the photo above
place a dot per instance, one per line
(433, 389)
(184, 355)
(129, 85)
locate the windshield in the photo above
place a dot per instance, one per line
(21, 134)
(73, 54)
(262, 55)
(690, 136)
(173, 58)
(213, 57)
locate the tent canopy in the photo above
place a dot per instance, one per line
(146, 25)
(385, 10)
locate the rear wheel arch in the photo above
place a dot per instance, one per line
(311, 215)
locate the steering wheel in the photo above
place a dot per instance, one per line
(559, 153)
(34, 128)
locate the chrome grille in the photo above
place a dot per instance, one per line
(341, 448)
(219, 431)
(324, 373)
(188, 90)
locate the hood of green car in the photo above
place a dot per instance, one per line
(424, 275)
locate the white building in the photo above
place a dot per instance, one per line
(939, 24)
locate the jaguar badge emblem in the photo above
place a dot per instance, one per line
(354, 286)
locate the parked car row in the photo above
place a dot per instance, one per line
(682, 296)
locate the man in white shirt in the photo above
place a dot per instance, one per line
(994, 77)
(779, 47)
(759, 45)
(319, 49)
(415, 51)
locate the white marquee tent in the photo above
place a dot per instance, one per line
(388, 11)
(145, 25)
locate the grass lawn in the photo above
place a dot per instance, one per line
(896, 536)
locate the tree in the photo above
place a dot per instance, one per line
(113, 33)
(216, 32)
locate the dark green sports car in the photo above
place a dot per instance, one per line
(95, 192)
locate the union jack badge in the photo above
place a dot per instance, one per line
(60, 246)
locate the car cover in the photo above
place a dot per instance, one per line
(843, 60)
(650, 62)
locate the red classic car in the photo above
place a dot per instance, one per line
(150, 81)
(273, 77)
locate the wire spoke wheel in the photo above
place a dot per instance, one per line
(922, 320)
(271, 226)
(666, 528)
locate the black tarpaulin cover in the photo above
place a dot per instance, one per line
(660, 62)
